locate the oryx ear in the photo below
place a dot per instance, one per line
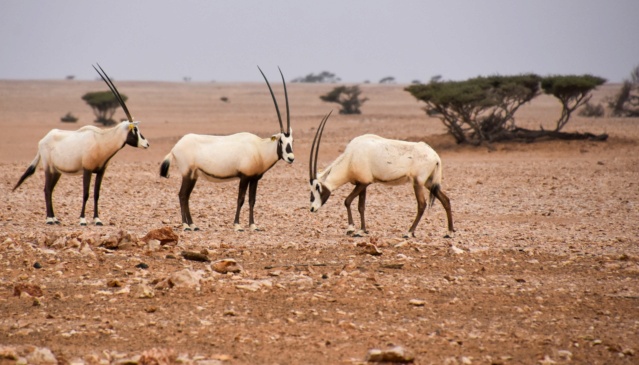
(273, 138)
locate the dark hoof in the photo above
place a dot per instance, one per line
(196, 229)
(83, 224)
(99, 224)
(57, 222)
(51, 223)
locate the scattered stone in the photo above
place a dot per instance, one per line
(115, 283)
(226, 265)
(186, 278)
(165, 235)
(8, 353)
(153, 245)
(41, 356)
(456, 250)
(369, 249)
(142, 266)
(565, 354)
(195, 256)
(396, 266)
(395, 354)
(255, 285)
(31, 289)
(417, 302)
(37, 265)
(145, 292)
(158, 356)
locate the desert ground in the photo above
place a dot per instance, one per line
(543, 267)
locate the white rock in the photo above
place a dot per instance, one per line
(41, 356)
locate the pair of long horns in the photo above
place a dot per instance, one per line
(312, 164)
(277, 109)
(114, 90)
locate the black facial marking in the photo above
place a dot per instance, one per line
(132, 137)
(289, 149)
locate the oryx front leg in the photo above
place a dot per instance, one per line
(186, 188)
(96, 196)
(86, 184)
(50, 180)
(360, 190)
(252, 197)
(421, 206)
(241, 194)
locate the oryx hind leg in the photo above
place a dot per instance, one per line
(50, 180)
(188, 183)
(439, 194)
(241, 194)
(421, 206)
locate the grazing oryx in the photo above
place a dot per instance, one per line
(86, 151)
(372, 159)
(242, 156)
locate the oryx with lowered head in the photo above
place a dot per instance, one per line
(370, 159)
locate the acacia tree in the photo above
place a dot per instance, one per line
(482, 109)
(346, 96)
(322, 77)
(572, 91)
(626, 102)
(104, 105)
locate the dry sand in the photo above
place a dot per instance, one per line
(544, 266)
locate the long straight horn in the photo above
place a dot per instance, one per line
(315, 149)
(277, 109)
(288, 113)
(114, 90)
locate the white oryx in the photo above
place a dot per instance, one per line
(85, 151)
(242, 156)
(372, 159)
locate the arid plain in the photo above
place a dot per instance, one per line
(543, 268)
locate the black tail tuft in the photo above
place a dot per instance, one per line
(30, 170)
(434, 190)
(164, 168)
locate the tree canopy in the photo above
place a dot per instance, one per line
(104, 105)
(482, 109)
(346, 96)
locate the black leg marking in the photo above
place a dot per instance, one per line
(185, 193)
(86, 183)
(361, 207)
(241, 194)
(252, 197)
(50, 180)
(421, 206)
(349, 199)
(439, 194)
(96, 195)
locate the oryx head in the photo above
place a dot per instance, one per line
(319, 192)
(285, 137)
(134, 137)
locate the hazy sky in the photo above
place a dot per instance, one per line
(358, 40)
